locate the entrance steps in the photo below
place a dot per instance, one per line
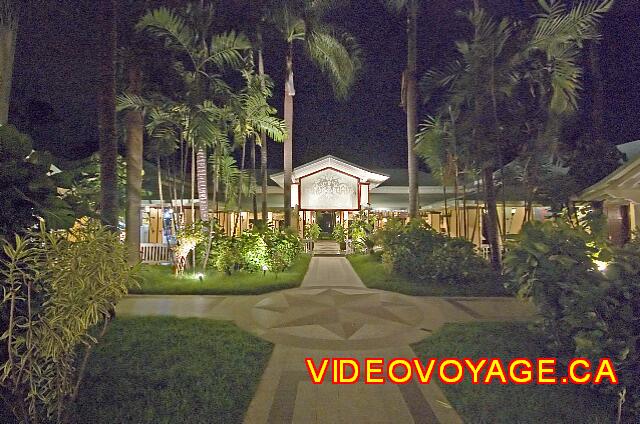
(326, 248)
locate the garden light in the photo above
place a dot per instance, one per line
(264, 269)
(200, 276)
(602, 266)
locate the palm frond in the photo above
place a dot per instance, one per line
(335, 59)
(163, 23)
(126, 101)
(226, 50)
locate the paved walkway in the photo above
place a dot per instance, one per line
(333, 314)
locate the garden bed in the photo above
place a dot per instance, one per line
(374, 275)
(151, 370)
(496, 403)
(157, 279)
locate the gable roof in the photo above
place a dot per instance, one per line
(329, 161)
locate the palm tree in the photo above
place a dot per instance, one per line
(252, 116)
(8, 31)
(336, 54)
(134, 129)
(107, 113)
(204, 56)
(410, 95)
(506, 65)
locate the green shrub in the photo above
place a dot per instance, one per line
(220, 243)
(457, 263)
(361, 231)
(57, 286)
(252, 251)
(339, 233)
(407, 248)
(608, 325)
(312, 231)
(584, 312)
(282, 248)
(421, 254)
(551, 264)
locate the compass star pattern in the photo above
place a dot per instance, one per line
(336, 314)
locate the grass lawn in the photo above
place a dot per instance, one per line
(374, 275)
(496, 403)
(158, 279)
(170, 370)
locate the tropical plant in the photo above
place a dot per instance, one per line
(312, 231)
(58, 287)
(252, 115)
(335, 53)
(550, 263)
(407, 247)
(8, 32)
(339, 234)
(282, 248)
(611, 329)
(410, 94)
(587, 310)
(361, 232)
(202, 56)
(27, 190)
(511, 66)
(188, 238)
(252, 251)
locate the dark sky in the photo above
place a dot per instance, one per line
(54, 91)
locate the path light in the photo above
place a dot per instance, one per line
(264, 269)
(200, 276)
(602, 266)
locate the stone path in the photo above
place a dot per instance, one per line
(333, 314)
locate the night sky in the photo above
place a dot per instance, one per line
(54, 87)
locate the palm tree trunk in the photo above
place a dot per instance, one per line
(193, 184)
(264, 176)
(492, 218)
(107, 114)
(263, 141)
(239, 210)
(8, 31)
(446, 208)
(289, 92)
(203, 196)
(159, 177)
(411, 105)
(134, 142)
(214, 204)
(254, 198)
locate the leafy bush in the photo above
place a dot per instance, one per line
(26, 189)
(252, 251)
(312, 231)
(550, 264)
(215, 243)
(188, 239)
(57, 286)
(611, 327)
(339, 233)
(421, 254)
(584, 312)
(407, 248)
(360, 232)
(226, 258)
(282, 248)
(457, 263)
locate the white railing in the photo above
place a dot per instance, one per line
(485, 251)
(307, 245)
(155, 253)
